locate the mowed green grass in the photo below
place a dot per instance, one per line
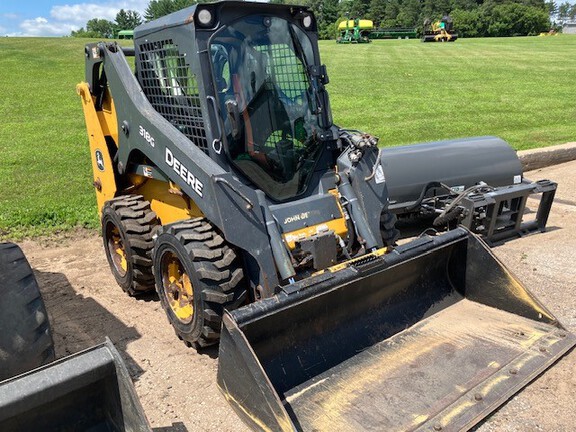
(405, 91)
(402, 91)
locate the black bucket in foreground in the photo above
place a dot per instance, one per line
(434, 336)
(87, 391)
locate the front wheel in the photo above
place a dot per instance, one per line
(197, 276)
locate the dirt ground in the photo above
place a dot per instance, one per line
(177, 385)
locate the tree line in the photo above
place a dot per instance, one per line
(129, 19)
(472, 18)
(102, 28)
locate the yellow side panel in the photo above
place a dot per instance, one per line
(166, 200)
(336, 225)
(108, 118)
(169, 204)
(102, 167)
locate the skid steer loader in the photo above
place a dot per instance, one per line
(222, 181)
(439, 31)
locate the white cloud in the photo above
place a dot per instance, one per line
(11, 16)
(81, 13)
(64, 19)
(40, 26)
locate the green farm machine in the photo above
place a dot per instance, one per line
(354, 31)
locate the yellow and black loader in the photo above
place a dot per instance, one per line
(223, 183)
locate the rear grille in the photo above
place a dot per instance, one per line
(172, 88)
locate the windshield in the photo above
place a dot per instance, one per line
(260, 66)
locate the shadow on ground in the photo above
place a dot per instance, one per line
(79, 322)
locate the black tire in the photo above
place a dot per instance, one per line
(128, 227)
(215, 275)
(388, 229)
(25, 335)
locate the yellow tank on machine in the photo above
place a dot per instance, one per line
(355, 31)
(362, 24)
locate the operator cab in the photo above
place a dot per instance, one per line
(267, 101)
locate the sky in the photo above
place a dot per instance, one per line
(57, 18)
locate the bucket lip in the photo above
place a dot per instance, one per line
(320, 284)
(106, 350)
(31, 389)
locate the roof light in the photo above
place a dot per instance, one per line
(204, 17)
(307, 21)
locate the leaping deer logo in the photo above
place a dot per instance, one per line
(99, 160)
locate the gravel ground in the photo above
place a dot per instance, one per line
(177, 385)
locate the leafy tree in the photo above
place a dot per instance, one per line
(377, 12)
(127, 20)
(409, 15)
(159, 8)
(471, 17)
(392, 10)
(82, 33)
(551, 7)
(326, 17)
(103, 28)
(469, 23)
(356, 8)
(564, 11)
(511, 19)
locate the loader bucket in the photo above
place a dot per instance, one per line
(433, 336)
(88, 391)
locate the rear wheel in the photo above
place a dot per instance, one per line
(197, 276)
(128, 226)
(25, 336)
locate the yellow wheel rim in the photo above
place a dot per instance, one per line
(177, 288)
(117, 249)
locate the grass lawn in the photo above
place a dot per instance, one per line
(403, 91)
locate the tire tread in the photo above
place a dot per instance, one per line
(26, 339)
(139, 224)
(220, 274)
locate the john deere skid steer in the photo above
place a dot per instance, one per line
(223, 183)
